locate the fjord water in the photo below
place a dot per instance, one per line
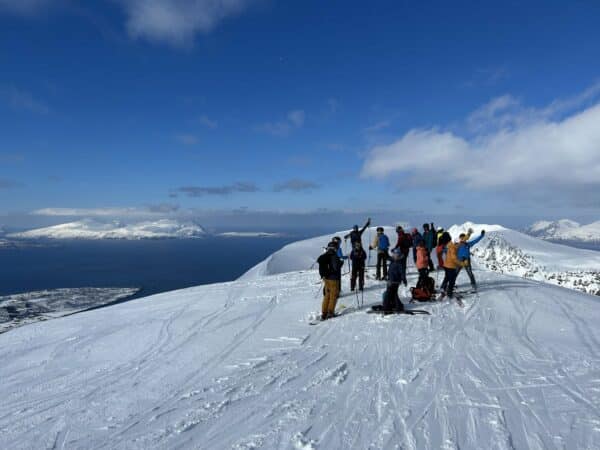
(152, 265)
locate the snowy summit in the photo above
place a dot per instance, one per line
(237, 366)
(93, 229)
(566, 230)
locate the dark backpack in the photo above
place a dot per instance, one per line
(425, 290)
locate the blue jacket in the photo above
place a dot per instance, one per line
(384, 243)
(395, 272)
(341, 254)
(464, 250)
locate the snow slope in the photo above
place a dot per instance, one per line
(511, 252)
(566, 230)
(92, 229)
(236, 366)
(301, 255)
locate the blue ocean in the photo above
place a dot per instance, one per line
(152, 265)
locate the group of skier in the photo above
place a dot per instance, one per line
(452, 258)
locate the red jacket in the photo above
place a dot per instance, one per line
(404, 243)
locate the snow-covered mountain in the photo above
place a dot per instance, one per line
(566, 230)
(236, 366)
(508, 251)
(93, 229)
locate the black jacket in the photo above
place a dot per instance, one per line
(329, 265)
(358, 258)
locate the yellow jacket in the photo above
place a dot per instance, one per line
(451, 260)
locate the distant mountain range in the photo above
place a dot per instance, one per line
(93, 229)
(566, 230)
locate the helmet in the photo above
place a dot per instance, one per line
(355, 227)
(399, 229)
(337, 239)
(380, 229)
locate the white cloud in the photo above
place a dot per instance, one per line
(176, 22)
(22, 100)
(207, 122)
(296, 117)
(24, 7)
(294, 120)
(150, 210)
(377, 127)
(538, 154)
(187, 139)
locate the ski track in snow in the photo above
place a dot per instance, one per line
(236, 366)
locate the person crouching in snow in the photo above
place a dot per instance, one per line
(464, 255)
(422, 262)
(329, 267)
(358, 257)
(391, 301)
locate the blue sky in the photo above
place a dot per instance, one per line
(211, 107)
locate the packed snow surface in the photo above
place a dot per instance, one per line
(566, 230)
(237, 366)
(92, 229)
(21, 309)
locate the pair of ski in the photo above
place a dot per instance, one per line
(377, 309)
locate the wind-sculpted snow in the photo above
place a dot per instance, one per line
(236, 366)
(22, 309)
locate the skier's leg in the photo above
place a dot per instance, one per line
(451, 281)
(353, 278)
(361, 278)
(385, 258)
(403, 269)
(378, 268)
(469, 270)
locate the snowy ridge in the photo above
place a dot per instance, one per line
(301, 255)
(262, 234)
(93, 229)
(510, 252)
(566, 230)
(235, 365)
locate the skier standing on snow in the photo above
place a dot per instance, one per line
(381, 243)
(404, 244)
(464, 255)
(416, 238)
(430, 238)
(329, 268)
(450, 264)
(391, 301)
(356, 235)
(358, 257)
(340, 254)
(423, 262)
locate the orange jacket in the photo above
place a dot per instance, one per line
(451, 261)
(422, 258)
